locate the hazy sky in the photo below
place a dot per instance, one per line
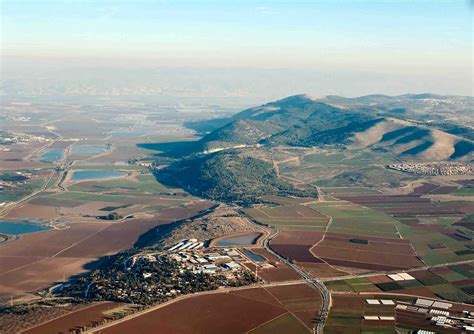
(419, 45)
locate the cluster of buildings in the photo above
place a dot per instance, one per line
(190, 255)
(7, 138)
(434, 168)
(439, 314)
(381, 302)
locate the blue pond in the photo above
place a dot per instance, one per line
(20, 228)
(52, 155)
(95, 174)
(241, 240)
(253, 256)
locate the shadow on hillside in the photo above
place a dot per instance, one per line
(173, 149)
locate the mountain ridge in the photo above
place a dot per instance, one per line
(299, 120)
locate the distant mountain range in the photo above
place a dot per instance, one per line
(425, 126)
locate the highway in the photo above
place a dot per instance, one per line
(325, 294)
(57, 171)
(99, 329)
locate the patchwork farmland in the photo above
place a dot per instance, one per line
(289, 217)
(259, 310)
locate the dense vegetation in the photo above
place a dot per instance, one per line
(296, 120)
(228, 176)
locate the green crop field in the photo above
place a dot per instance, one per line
(83, 196)
(140, 184)
(464, 191)
(291, 217)
(16, 193)
(421, 239)
(350, 218)
(350, 190)
(325, 158)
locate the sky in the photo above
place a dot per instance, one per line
(414, 45)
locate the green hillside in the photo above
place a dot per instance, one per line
(228, 176)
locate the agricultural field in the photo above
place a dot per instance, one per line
(348, 311)
(401, 205)
(13, 191)
(454, 283)
(345, 168)
(464, 191)
(37, 260)
(261, 310)
(84, 317)
(289, 217)
(358, 313)
(125, 196)
(437, 240)
(370, 253)
(349, 191)
(351, 218)
(287, 323)
(141, 184)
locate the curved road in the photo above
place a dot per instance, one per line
(325, 294)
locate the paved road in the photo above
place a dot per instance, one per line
(187, 296)
(325, 294)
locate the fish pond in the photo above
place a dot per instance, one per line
(51, 155)
(17, 228)
(241, 240)
(253, 256)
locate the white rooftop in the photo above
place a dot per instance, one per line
(406, 276)
(442, 305)
(469, 328)
(424, 302)
(372, 301)
(387, 302)
(401, 277)
(395, 277)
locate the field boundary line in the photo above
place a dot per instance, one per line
(256, 300)
(266, 322)
(63, 315)
(25, 265)
(80, 241)
(181, 298)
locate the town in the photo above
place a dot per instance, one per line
(434, 168)
(150, 276)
